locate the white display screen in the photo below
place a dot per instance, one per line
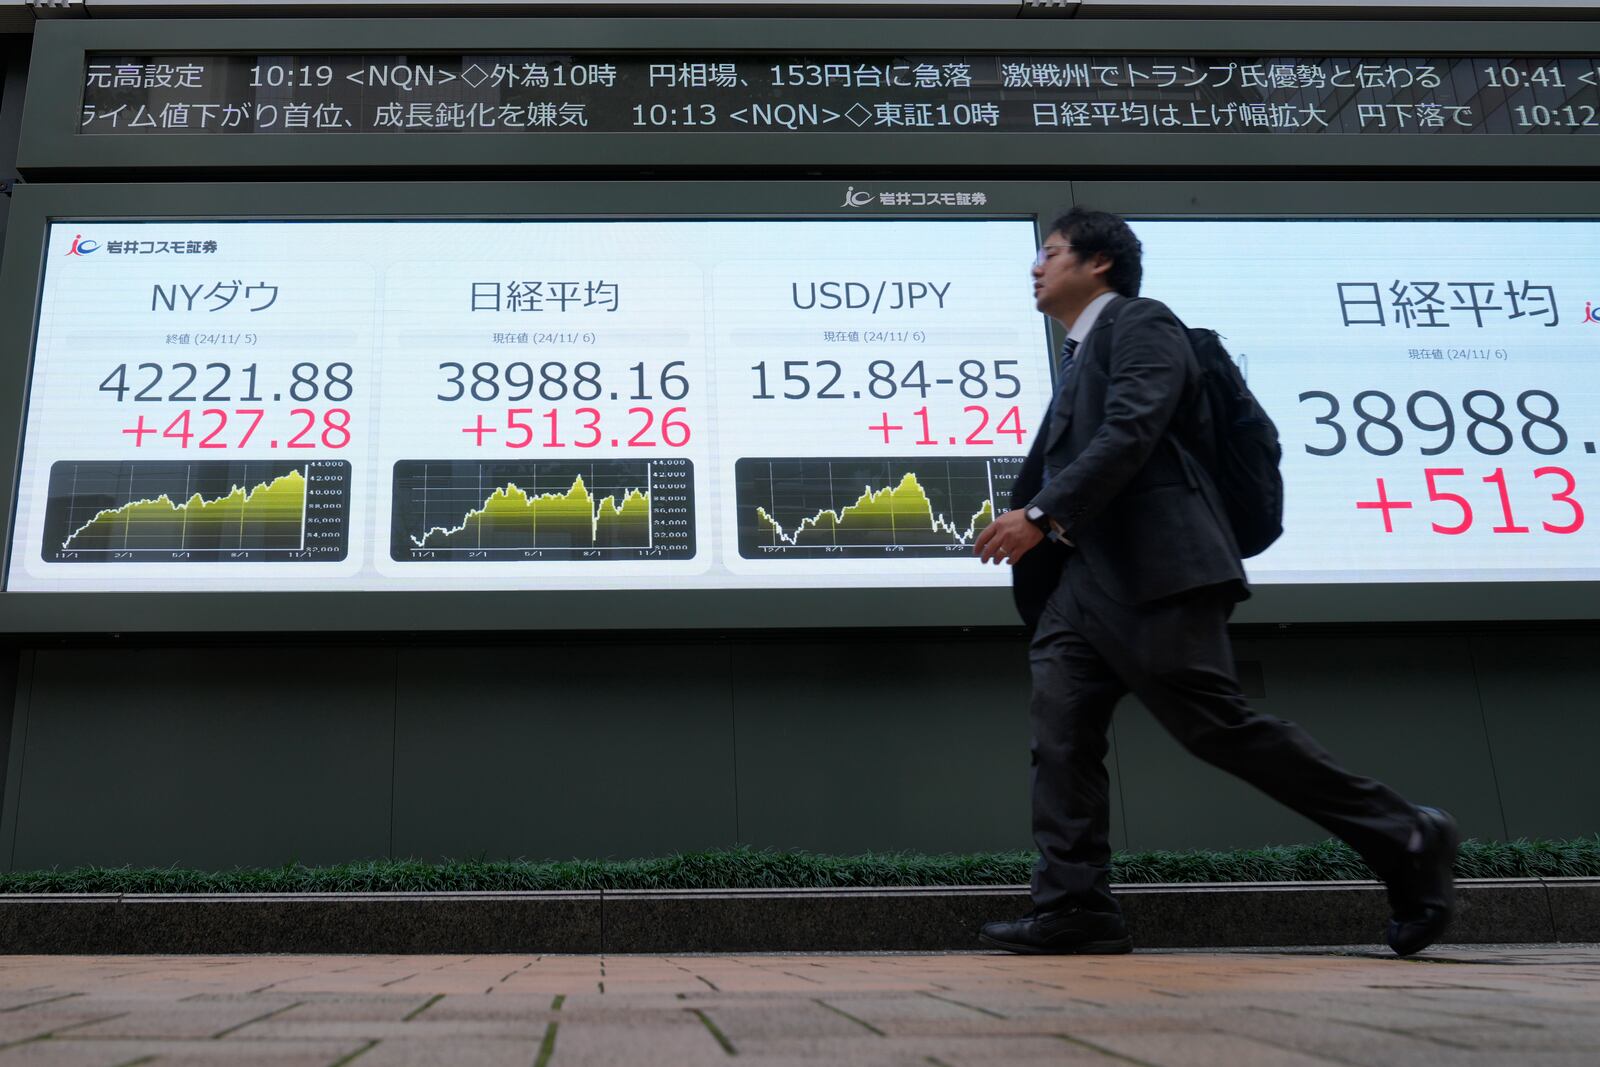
(648, 404)
(262, 406)
(1436, 385)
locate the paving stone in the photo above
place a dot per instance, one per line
(1565, 1038)
(24, 1026)
(907, 1051)
(377, 1008)
(85, 1053)
(889, 1009)
(418, 1030)
(178, 1021)
(1025, 1050)
(453, 1052)
(1480, 1006)
(1349, 1042)
(608, 1043)
(498, 1007)
(1199, 1049)
(16, 1000)
(785, 1018)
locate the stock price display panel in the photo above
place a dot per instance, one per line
(1436, 384)
(408, 405)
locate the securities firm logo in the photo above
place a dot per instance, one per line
(1589, 313)
(83, 247)
(858, 198)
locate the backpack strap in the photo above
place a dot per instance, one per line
(1187, 461)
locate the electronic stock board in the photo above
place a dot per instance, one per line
(621, 404)
(759, 407)
(788, 403)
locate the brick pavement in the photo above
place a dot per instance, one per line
(1467, 1006)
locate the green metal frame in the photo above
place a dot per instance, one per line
(52, 148)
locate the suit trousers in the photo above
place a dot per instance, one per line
(1175, 656)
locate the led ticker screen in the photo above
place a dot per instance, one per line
(1437, 386)
(530, 95)
(562, 405)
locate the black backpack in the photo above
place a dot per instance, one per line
(1243, 452)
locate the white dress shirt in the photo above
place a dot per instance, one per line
(1079, 330)
(1086, 319)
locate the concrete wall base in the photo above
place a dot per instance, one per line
(757, 920)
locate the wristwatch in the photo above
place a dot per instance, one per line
(1048, 526)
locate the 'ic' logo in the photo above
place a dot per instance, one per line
(80, 247)
(855, 199)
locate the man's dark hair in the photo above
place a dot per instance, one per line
(1094, 233)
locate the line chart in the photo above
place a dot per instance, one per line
(466, 510)
(861, 506)
(119, 511)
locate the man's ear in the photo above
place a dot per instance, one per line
(1100, 265)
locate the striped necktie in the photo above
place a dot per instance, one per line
(1069, 349)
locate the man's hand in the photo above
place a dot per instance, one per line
(1008, 538)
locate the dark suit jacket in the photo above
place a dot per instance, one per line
(1108, 466)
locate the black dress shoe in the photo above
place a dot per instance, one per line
(1071, 931)
(1423, 895)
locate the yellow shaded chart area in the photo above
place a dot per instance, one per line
(513, 518)
(901, 515)
(269, 515)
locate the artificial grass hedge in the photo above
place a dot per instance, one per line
(746, 868)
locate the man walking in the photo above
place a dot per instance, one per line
(1126, 569)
